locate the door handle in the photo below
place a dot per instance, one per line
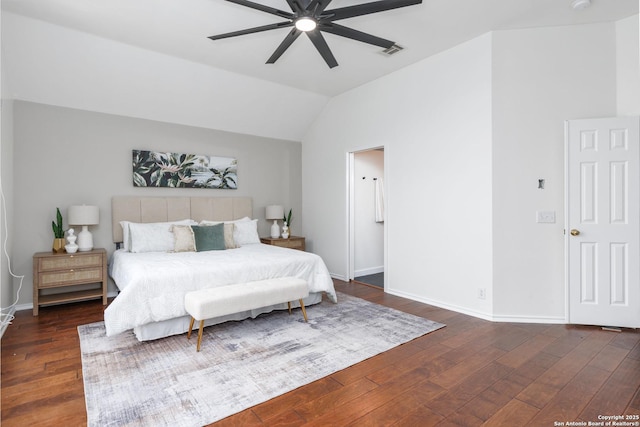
(575, 232)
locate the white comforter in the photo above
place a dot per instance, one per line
(153, 285)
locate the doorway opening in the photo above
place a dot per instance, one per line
(367, 216)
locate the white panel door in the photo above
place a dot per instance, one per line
(603, 221)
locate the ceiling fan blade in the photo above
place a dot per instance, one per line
(295, 6)
(252, 30)
(318, 6)
(321, 44)
(291, 37)
(263, 8)
(366, 8)
(350, 33)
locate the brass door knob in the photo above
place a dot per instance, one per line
(575, 232)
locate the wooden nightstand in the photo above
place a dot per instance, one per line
(293, 242)
(53, 270)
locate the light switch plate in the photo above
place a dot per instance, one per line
(548, 217)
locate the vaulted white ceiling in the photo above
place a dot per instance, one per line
(180, 28)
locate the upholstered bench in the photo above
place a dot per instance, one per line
(221, 301)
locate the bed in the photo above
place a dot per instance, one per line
(152, 284)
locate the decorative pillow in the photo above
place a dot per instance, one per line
(183, 238)
(229, 242)
(152, 236)
(246, 232)
(229, 229)
(209, 237)
(207, 222)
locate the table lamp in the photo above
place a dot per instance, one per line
(275, 212)
(85, 216)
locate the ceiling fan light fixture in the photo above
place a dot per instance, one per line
(306, 24)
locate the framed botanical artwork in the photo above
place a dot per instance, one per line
(176, 170)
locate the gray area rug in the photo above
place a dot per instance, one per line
(167, 383)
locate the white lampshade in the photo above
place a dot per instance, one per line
(274, 212)
(84, 215)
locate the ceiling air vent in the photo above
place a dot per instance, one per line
(393, 49)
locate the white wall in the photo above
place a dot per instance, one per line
(628, 66)
(434, 120)
(53, 65)
(6, 204)
(541, 77)
(64, 157)
(45, 64)
(467, 135)
(368, 234)
(7, 236)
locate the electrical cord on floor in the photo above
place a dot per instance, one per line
(7, 318)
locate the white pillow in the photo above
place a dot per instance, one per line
(246, 232)
(149, 237)
(125, 235)
(207, 222)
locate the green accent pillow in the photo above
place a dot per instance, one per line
(209, 237)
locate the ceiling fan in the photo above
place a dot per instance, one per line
(311, 18)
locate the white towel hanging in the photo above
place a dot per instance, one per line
(379, 200)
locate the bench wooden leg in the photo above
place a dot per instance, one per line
(289, 305)
(190, 328)
(304, 312)
(200, 334)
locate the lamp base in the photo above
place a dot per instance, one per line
(85, 240)
(275, 230)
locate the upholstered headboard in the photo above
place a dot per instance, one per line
(162, 209)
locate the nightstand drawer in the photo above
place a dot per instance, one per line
(70, 262)
(68, 277)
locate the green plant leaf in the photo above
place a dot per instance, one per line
(287, 218)
(58, 231)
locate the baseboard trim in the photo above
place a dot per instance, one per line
(498, 318)
(366, 284)
(339, 277)
(368, 271)
(510, 318)
(29, 306)
(5, 324)
(22, 307)
(436, 303)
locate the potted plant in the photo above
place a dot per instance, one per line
(286, 228)
(58, 233)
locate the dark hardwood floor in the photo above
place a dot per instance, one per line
(470, 373)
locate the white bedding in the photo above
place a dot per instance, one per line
(153, 284)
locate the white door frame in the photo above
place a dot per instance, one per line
(351, 254)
